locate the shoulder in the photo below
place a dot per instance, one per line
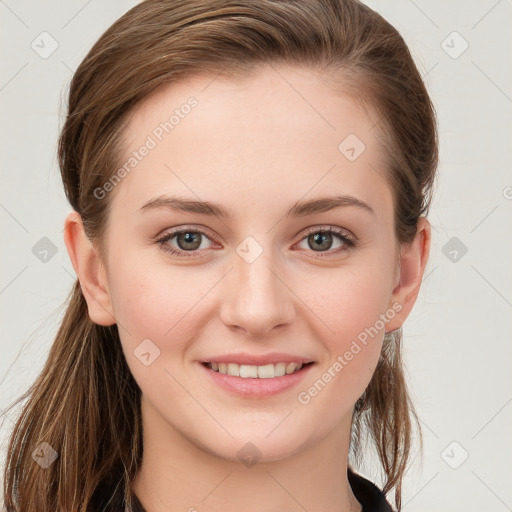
(367, 493)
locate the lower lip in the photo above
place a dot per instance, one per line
(257, 388)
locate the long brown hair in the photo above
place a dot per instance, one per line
(85, 404)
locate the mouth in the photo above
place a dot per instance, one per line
(268, 371)
(256, 381)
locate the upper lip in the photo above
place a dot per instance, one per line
(258, 360)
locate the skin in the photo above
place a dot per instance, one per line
(255, 146)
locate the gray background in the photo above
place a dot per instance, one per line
(458, 337)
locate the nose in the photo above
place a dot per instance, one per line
(257, 298)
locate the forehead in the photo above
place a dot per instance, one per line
(279, 131)
(269, 98)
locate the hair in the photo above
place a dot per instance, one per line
(85, 402)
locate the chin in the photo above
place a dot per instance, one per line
(249, 450)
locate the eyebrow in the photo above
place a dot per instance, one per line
(298, 209)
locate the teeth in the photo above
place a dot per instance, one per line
(269, 371)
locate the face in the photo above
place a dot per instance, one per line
(257, 277)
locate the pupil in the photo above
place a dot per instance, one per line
(327, 240)
(189, 239)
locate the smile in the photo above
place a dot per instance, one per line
(268, 371)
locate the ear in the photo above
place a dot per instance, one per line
(90, 270)
(413, 260)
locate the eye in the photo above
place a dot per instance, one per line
(189, 242)
(321, 240)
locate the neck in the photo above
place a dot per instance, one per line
(178, 474)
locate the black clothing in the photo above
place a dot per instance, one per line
(367, 493)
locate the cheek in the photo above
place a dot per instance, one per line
(353, 345)
(351, 306)
(154, 301)
(349, 300)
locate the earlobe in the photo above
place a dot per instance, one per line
(413, 261)
(90, 271)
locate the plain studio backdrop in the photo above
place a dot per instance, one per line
(457, 340)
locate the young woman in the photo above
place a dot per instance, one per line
(249, 184)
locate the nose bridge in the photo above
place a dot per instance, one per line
(258, 298)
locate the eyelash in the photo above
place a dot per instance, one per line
(348, 242)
